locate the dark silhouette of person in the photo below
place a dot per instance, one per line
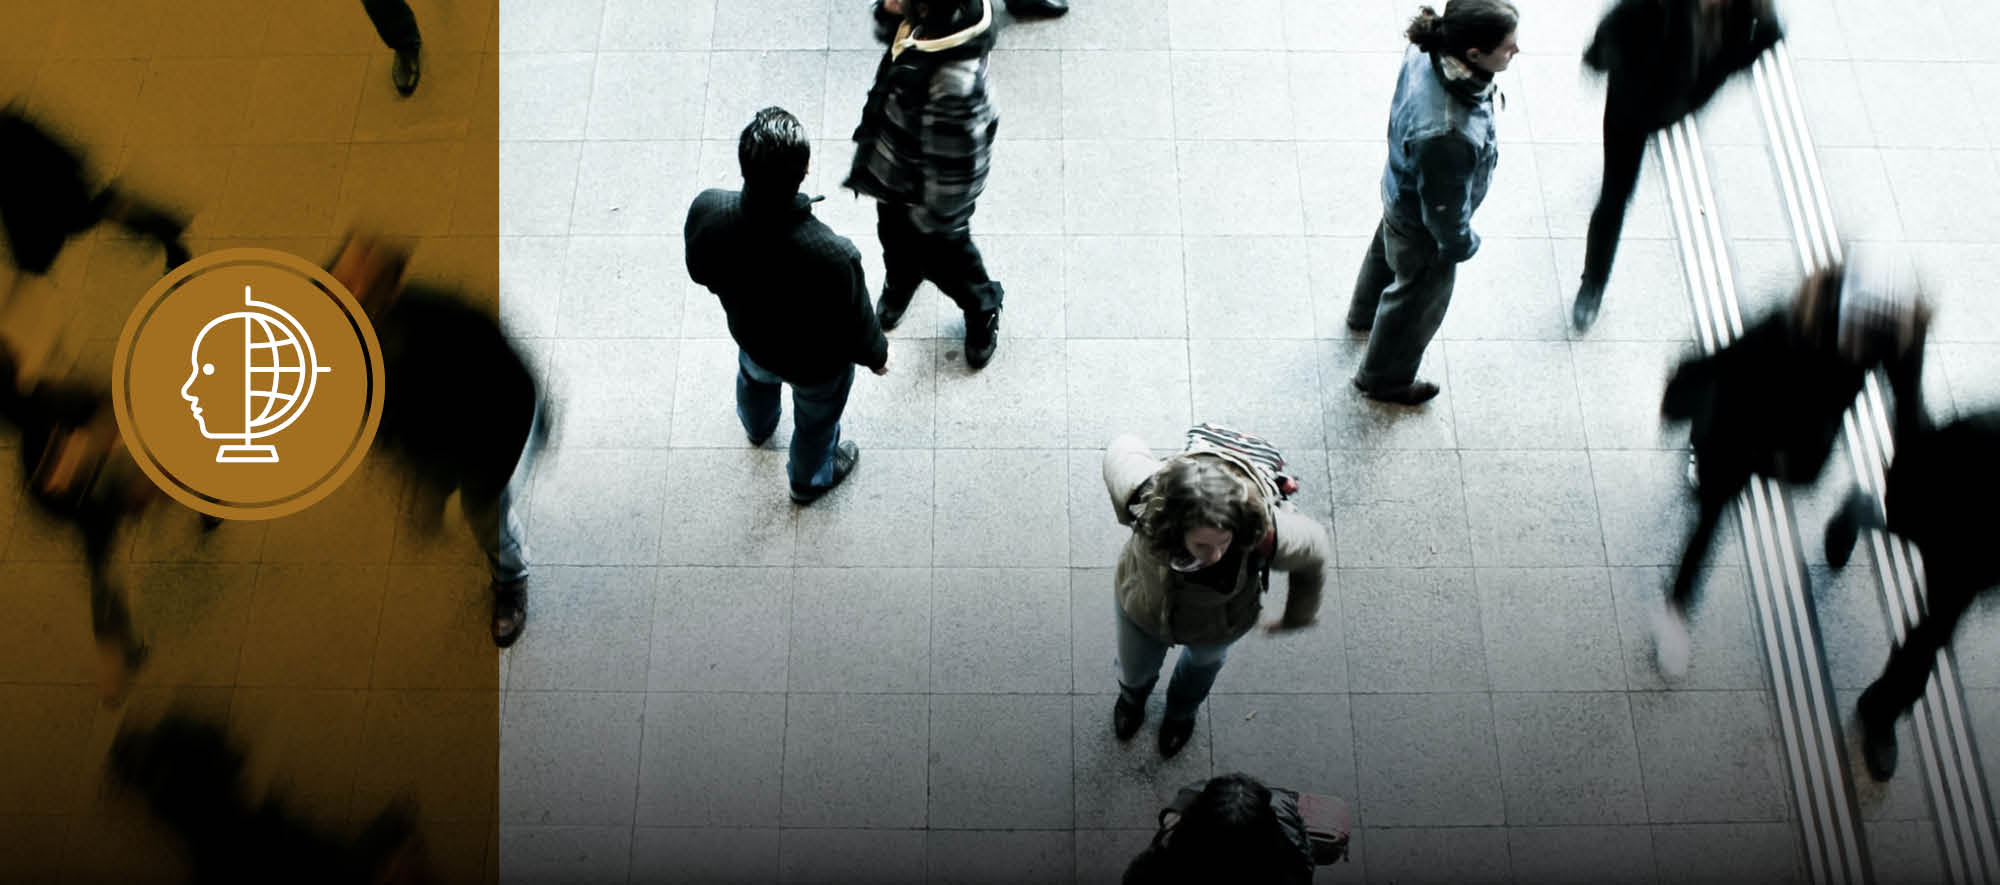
(1235, 830)
(1663, 60)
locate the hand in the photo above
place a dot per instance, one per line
(893, 7)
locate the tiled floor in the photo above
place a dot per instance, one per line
(912, 678)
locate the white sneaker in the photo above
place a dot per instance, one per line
(1672, 642)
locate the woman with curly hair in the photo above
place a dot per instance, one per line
(1207, 528)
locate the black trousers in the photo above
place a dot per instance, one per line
(1624, 152)
(394, 22)
(949, 260)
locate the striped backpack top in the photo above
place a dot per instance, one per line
(1264, 459)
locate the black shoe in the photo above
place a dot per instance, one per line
(845, 456)
(177, 254)
(1588, 300)
(1037, 8)
(1174, 734)
(757, 442)
(210, 523)
(1415, 393)
(982, 337)
(510, 611)
(889, 308)
(1126, 717)
(1878, 747)
(406, 72)
(1363, 328)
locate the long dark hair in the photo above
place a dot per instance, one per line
(1465, 25)
(1230, 833)
(1190, 493)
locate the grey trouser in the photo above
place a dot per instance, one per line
(1402, 291)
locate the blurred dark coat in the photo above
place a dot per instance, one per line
(459, 398)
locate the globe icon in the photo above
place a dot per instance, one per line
(279, 371)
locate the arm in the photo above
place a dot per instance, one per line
(873, 346)
(1611, 46)
(1127, 464)
(1302, 554)
(1445, 165)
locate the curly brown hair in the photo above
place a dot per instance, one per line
(1191, 493)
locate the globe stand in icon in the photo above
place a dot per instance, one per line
(280, 370)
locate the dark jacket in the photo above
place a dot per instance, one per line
(1442, 150)
(1652, 52)
(1939, 496)
(927, 128)
(794, 290)
(45, 195)
(458, 399)
(1768, 404)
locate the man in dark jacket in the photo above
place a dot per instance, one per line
(1664, 60)
(921, 150)
(796, 297)
(461, 408)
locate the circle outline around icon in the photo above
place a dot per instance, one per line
(254, 445)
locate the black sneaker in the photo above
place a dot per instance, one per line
(982, 337)
(406, 72)
(889, 308)
(1174, 734)
(845, 456)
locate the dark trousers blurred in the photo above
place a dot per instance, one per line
(816, 411)
(1624, 153)
(948, 259)
(394, 21)
(1400, 296)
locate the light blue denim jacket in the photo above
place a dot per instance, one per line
(1442, 150)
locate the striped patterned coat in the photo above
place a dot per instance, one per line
(927, 130)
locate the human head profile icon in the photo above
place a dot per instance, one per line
(256, 370)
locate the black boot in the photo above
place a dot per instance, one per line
(1878, 741)
(1174, 734)
(982, 337)
(1130, 711)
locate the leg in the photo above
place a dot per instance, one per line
(815, 464)
(1411, 310)
(119, 650)
(902, 261)
(758, 403)
(145, 219)
(1139, 659)
(1375, 276)
(1194, 675)
(394, 22)
(1908, 671)
(1906, 374)
(1714, 501)
(1624, 153)
(1858, 513)
(954, 263)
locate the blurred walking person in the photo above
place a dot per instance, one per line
(921, 151)
(1663, 60)
(796, 297)
(1208, 525)
(462, 410)
(46, 197)
(1442, 151)
(1770, 403)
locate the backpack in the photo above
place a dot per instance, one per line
(1267, 462)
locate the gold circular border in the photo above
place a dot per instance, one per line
(135, 442)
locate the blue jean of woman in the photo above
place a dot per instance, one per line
(1139, 659)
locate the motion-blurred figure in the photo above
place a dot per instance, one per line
(46, 197)
(192, 780)
(1770, 403)
(461, 408)
(922, 150)
(397, 26)
(1234, 829)
(77, 471)
(1939, 496)
(1663, 60)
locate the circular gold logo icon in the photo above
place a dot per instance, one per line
(248, 384)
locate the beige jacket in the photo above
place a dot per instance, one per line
(1154, 596)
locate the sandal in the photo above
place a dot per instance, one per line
(510, 611)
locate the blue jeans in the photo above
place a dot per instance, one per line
(815, 418)
(1139, 659)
